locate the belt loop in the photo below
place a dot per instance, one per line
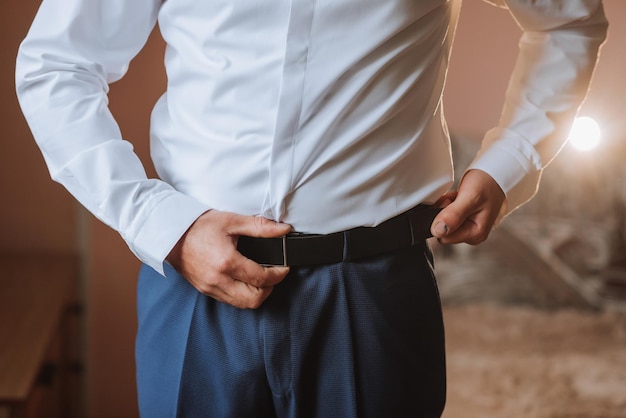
(285, 263)
(346, 246)
(410, 219)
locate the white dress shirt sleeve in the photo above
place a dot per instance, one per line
(72, 51)
(558, 52)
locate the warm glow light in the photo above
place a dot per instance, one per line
(585, 134)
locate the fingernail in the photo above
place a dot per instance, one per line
(441, 229)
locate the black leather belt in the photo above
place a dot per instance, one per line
(296, 249)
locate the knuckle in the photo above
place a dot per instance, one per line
(206, 288)
(224, 265)
(259, 223)
(256, 281)
(483, 234)
(255, 303)
(258, 297)
(479, 238)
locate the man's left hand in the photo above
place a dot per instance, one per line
(473, 211)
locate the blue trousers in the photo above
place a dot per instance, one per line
(354, 339)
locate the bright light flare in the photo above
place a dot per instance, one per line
(585, 134)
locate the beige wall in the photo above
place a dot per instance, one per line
(36, 214)
(29, 199)
(484, 53)
(112, 268)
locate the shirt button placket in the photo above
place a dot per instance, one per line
(292, 90)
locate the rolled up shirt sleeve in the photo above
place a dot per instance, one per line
(73, 50)
(558, 51)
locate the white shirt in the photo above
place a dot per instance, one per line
(325, 114)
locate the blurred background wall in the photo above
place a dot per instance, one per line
(37, 215)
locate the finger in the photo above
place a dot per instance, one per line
(470, 232)
(445, 199)
(451, 218)
(474, 229)
(249, 286)
(238, 294)
(257, 226)
(248, 271)
(244, 285)
(250, 297)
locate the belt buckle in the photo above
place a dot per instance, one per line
(285, 240)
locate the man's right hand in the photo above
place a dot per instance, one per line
(207, 257)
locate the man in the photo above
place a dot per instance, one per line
(302, 153)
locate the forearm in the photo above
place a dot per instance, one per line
(557, 56)
(63, 69)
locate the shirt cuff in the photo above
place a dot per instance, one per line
(165, 225)
(513, 164)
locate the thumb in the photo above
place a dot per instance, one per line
(449, 219)
(257, 226)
